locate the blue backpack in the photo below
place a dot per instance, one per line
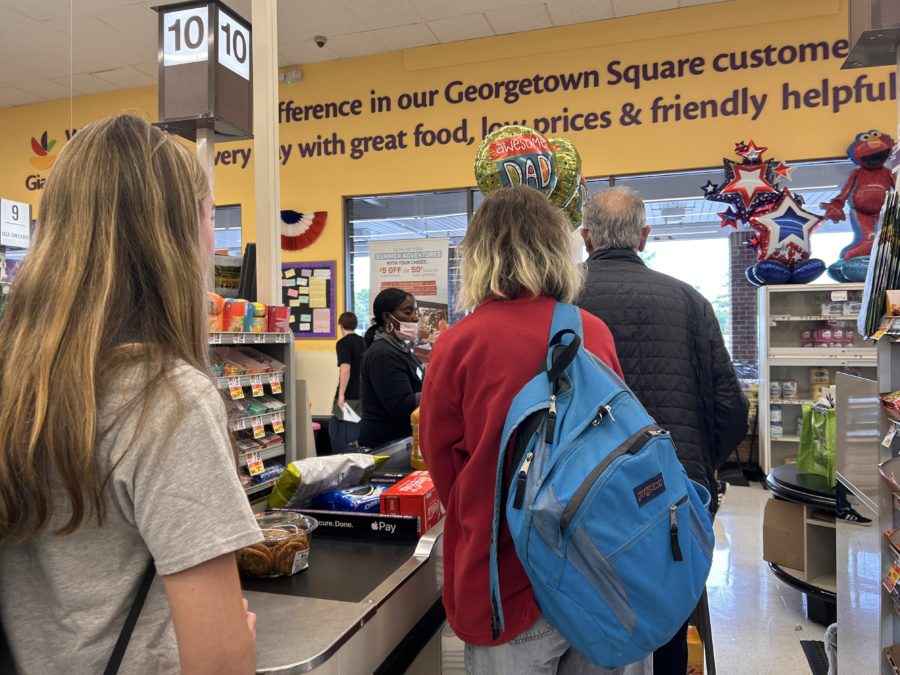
(616, 540)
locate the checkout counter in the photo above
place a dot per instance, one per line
(368, 603)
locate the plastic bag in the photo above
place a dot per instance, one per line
(818, 443)
(305, 479)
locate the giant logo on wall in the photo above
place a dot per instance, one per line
(42, 158)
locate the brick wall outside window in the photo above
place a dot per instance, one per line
(743, 300)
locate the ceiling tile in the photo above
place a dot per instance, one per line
(10, 76)
(306, 51)
(442, 9)
(383, 13)
(134, 20)
(524, 18)
(87, 84)
(632, 7)
(355, 44)
(305, 18)
(47, 90)
(39, 10)
(12, 19)
(125, 78)
(10, 96)
(149, 67)
(406, 37)
(564, 12)
(465, 27)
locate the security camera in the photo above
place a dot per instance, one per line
(320, 40)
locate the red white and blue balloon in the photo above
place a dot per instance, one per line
(777, 216)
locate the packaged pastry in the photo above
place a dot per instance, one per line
(361, 499)
(256, 318)
(284, 550)
(215, 309)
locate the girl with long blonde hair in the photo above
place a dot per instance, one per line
(114, 450)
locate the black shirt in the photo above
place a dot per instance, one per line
(390, 388)
(350, 349)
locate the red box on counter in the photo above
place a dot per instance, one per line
(413, 496)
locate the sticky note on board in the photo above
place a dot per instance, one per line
(305, 273)
(294, 303)
(301, 281)
(321, 320)
(317, 292)
(303, 291)
(292, 292)
(305, 327)
(288, 282)
(289, 273)
(322, 274)
(306, 317)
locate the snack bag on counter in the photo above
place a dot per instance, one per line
(256, 318)
(416, 460)
(361, 499)
(235, 316)
(278, 319)
(216, 308)
(307, 478)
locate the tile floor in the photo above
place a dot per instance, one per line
(757, 621)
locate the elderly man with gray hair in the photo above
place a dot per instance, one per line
(670, 348)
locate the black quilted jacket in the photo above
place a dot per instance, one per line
(673, 357)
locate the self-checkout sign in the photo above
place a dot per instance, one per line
(277, 424)
(235, 388)
(259, 430)
(275, 383)
(254, 463)
(256, 385)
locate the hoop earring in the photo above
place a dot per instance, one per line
(389, 329)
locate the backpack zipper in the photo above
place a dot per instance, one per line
(551, 420)
(521, 480)
(604, 411)
(673, 530)
(633, 446)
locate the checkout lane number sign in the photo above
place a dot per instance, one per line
(15, 224)
(234, 45)
(185, 36)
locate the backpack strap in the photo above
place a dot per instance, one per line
(118, 653)
(560, 354)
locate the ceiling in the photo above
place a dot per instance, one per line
(115, 42)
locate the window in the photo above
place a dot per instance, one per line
(686, 229)
(414, 216)
(228, 229)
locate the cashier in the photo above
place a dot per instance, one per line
(391, 374)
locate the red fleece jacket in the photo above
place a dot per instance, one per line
(476, 369)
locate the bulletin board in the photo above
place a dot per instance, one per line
(307, 290)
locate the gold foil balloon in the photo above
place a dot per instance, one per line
(568, 172)
(515, 155)
(573, 208)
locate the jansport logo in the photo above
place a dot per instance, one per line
(43, 158)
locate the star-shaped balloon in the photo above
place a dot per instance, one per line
(748, 181)
(729, 218)
(783, 230)
(784, 171)
(750, 152)
(709, 188)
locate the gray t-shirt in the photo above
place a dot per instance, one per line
(63, 600)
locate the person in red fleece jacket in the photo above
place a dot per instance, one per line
(516, 264)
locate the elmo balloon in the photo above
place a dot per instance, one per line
(865, 189)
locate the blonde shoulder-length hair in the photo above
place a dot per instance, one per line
(518, 242)
(115, 279)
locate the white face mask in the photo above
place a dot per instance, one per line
(408, 330)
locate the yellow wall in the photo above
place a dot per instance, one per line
(699, 33)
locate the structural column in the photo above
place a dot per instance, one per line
(265, 150)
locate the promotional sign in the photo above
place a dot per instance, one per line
(15, 224)
(417, 266)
